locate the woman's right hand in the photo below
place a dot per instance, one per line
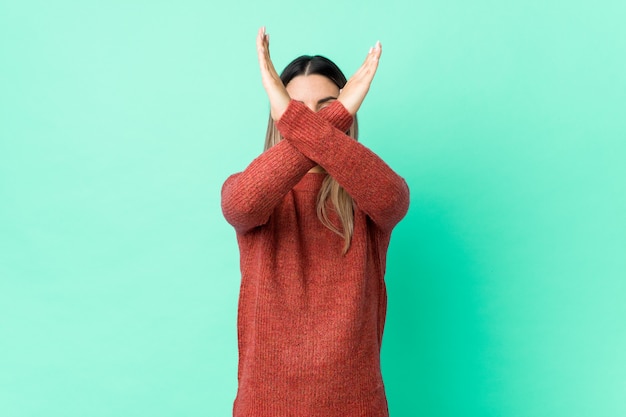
(355, 90)
(276, 91)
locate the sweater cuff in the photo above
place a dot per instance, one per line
(338, 115)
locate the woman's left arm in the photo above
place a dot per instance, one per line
(376, 189)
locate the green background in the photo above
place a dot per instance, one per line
(120, 120)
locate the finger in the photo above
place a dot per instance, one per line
(270, 64)
(267, 44)
(367, 57)
(378, 50)
(263, 40)
(263, 56)
(260, 43)
(372, 56)
(266, 51)
(260, 35)
(367, 71)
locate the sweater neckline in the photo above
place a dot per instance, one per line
(311, 181)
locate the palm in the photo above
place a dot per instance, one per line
(276, 92)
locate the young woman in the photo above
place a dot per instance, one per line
(313, 216)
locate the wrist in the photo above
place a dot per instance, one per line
(278, 106)
(350, 106)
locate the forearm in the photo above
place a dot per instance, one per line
(249, 197)
(337, 116)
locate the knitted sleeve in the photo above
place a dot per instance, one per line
(375, 188)
(250, 196)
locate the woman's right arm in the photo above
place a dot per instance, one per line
(249, 197)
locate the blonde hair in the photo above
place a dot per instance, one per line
(330, 191)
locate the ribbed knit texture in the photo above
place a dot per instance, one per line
(310, 320)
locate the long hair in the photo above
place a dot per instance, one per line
(331, 191)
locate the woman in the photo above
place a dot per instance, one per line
(313, 216)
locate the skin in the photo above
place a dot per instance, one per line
(315, 91)
(351, 96)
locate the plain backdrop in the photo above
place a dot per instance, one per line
(120, 120)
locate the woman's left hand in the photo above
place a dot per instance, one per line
(276, 91)
(355, 90)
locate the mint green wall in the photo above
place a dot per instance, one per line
(119, 277)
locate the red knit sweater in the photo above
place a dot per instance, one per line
(310, 320)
